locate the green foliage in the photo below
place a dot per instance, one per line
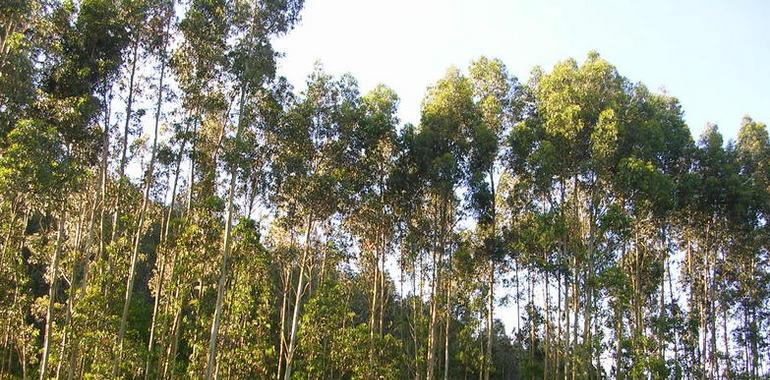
(578, 199)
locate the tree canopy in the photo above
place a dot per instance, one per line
(172, 207)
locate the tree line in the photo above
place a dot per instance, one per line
(173, 208)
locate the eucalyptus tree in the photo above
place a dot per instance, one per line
(577, 109)
(61, 118)
(18, 74)
(253, 64)
(748, 260)
(591, 186)
(714, 197)
(198, 64)
(312, 169)
(371, 217)
(651, 159)
(448, 118)
(494, 95)
(162, 23)
(407, 192)
(246, 339)
(39, 176)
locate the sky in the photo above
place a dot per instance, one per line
(713, 56)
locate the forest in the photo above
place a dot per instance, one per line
(171, 207)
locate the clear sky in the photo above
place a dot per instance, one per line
(713, 56)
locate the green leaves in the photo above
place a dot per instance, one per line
(35, 164)
(589, 184)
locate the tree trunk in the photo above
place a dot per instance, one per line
(225, 248)
(547, 327)
(158, 290)
(297, 302)
(51, 295)
(619, 374)
(432, 325)
(71, 299)
(448, 316)
(124, 142)
(104, 173)
(383, 299)
(490, 320)
(284, 305)
(137, 240)
(177, 329)
(487, 369)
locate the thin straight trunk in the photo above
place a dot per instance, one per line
(482, 369)
(434, 297)
(51, 295)
(490, 320)
(563, 249)
(124, 142)
(15, 303)
(588, 307)
(754, 344)
(636, 300)
(531, 313)
(177, 329)
(70, 299)
(191, 180)
(547, 327)
(137, 240)
(703, 305)
(662, 304)
(576, 310)
(73, 353)
(383, 300)
(753, 328)
(381, 233)
(413, 323)
(66, 334)
(448, 317)
(746, 355)
(432, 325)
(567, 350)
(671, 299)
(159, 286)
(725, 337)
(284, 305)
(373, 306)
(225, 248)
(557, 348)
(575, 294)
(7, 346)
(619, 374)
(104, 174)
(297, 302)
(164, 240)
(713, 319)
(23, 360)
(129, 109)
(518, 296)
(491, 283)
(156, 304)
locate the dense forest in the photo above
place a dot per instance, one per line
(171, 207)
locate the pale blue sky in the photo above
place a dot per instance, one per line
(713, 56)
